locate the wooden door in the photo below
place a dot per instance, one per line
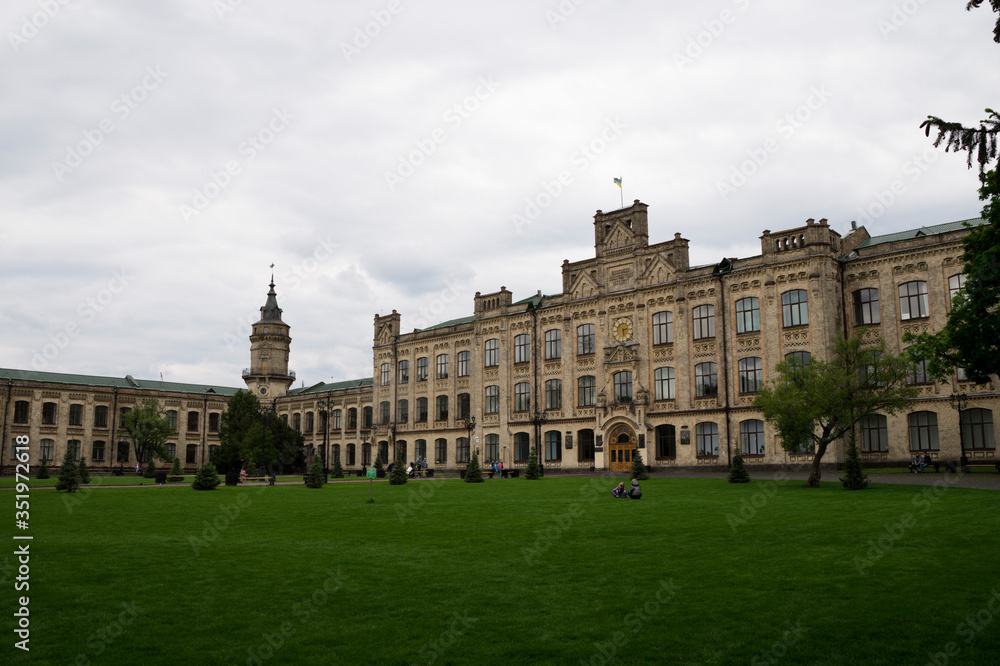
(623, 443)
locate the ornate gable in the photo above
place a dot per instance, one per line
(585, 286)
(659, 271)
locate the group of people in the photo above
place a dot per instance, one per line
(414, 469)
(919, 463)
(635, 492)
(498, 468)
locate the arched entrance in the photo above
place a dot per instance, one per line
(622, 444)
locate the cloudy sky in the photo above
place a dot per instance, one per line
(157, 157)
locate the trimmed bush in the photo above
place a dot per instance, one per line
(314, 477)
(149, 471)
(638, 466)
(473, 471)
(533, 471)
(854, 477)
(207, 478)
(338, 470)
(176, 473)
(69, 475)
(738, 473)
(398, 475)
(84, 472)
(43, 471)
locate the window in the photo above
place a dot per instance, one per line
(703, 321)
(172, 418)
(462, 450)
(553, 394)
(623, 386)
(491, 353)
(464, 406)
(191, 456)
(171, 451)
(76, 415)
(441, 408)
(751, 374)
(917, 374)
(961, 374)
(706, 381)
(192, 422)
(666, 442)
(383, 451)
(421, 415)
(337, 419)
(553, 446)
(123, 451)
(977, 429)
(403, 372)
(752, 437)
(521, 446)
(440, 451)
(663, 383)
(351, 451)
(795, 308)
(866, 307)
(336, 452)
(366, 453)
(553, 344)
(97, 451)
(923, 431)
(420, 449)
(401, 450)
(383, 412)
(874, 433)
(522, 397)
(422, 369)
(492, 448)
(956, 283)
(48, 413)
(46, 450)
(403, 411)
(492, 404)
(463, 364)
(352, 418)
(213, 421)
(585, 445)
(799, 358)
(367, 415)
(585, 339)
(309, 421)
(284, 419)
(384, 374)
(706, 437)
(296, 422)
(101, 416)
(442, 366)
(913, 300)
(586, 391)
(522, 349)
(748, 315)
(21, 412)
(663, 328)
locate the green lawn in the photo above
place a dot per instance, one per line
(510, 571)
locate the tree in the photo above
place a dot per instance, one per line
(473, 471)
(149, 471)
(43, 471)
(338, 470)
(314, 477)
(69, 474)
(638, 466)
(738, 472)
(854, 476)
(533, 471)
(245, 427)
(84, 472)
(176, 473)
(148, 429)
(818, 402)
(379, 466)
(971, 337)
(207, 478)
(398, 475)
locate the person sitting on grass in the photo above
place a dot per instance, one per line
(635, 492)
(619, 490)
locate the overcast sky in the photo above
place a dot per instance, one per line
(156, 157)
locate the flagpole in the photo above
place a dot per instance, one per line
(621, 192)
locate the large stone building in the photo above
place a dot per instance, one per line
(639, 351)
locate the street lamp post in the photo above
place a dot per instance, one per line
(538, 420)
(263, 437)
(324, 414)
(470, 425)
(960, 401)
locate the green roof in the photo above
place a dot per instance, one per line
(932, 230)
(446, 324)
(127, 382)
(323, 387)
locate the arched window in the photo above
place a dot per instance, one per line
(492, 400)
(795, 308)
(46, 449)
(440, 451)
(522, 397)
(663, 328)
(707, 439)
(866, 310)
(913, 300)
(309, 421)
(666, 444)
(420, 449)
(623, 386)
(751, 374)
(703, 321)
(48, 413)
(553, 344)
(553, 394)
(422, 369)
(663, 383)
(586, 387)
(421, 415)
(752, 437)
(442, 366)
(402, 411)
(491, 353)
(337, 424)
(706, 380)
(748, 315)
(383, 412)
(923, 428)
(21, 413)
(977, 429)
(585, 339)
(351, 452)
(522, 444)
(336, 453)
(956, 283)
(384, 374)
(522, 348)
(585, 445)
(874, 433)
(352, 418)
(553, 446)
(441, 408)
(462, 450)
(492, 448)
(403, 372)
(464, 406)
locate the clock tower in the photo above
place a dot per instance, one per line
(268, 376)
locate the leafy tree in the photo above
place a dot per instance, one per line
(738, 472)
(971, 337)
(176, 473)
(338, 470)
(473, 471)
(84, 472)
(148, 429)
(818, 402)
(207, 478)
(398, 475)
(638, 466)
(314, 477)
(149, 471)
(854, 476)
(43, 471)
(69, 474)
(533, 471)
(244, 427)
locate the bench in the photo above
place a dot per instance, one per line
(269, 479)
(953, 466)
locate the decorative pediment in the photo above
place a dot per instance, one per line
(584, 287)
(619, 237)
(384, 334)
(658, 271)
(621, 354)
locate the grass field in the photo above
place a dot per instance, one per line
(510, 571)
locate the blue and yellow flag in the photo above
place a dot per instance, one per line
(618, 182)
